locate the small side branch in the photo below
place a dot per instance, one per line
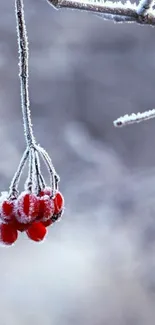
(40, 182)
(29, 182)
(115, 11)
(134, 118)
(16, 178)
(54, 178)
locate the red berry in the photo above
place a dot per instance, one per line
(27, 207)
(46, 191)
(47, 223)
(20, 226)
(7, 208)
(8, 234)
(46, 208)
(58, 202)
(36, 231)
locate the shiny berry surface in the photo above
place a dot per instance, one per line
(58, 202)
(37, 231)
(8, 234)
(6, 209)
(47, 223)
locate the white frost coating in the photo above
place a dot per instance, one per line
(134, 118)
(23, 71)
(47, 190)
(21, 216)
(2, 244)
(47, 208)
(110, 4)
(4, 196)
(144, 6)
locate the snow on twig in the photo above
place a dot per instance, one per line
(142, 13)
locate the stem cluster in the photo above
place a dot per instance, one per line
(35, 180)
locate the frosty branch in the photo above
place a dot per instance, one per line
(143, 14)
(134, 118)
(23, 71)
(116, 11)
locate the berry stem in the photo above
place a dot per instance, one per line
(23, 71)
(49, 162)
(14, 183)
(29, 182)
(39, 177)
(54, 178)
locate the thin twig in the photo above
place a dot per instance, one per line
(127, 12)
(134, 118)
(14, 183)
(29, 182)
(39, 177)
(54, 178)
(49, 160)
(23, 71)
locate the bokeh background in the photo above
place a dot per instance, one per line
(97, 266)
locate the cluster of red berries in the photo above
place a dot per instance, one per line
(30, 213)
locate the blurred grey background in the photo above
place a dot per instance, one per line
(97, 266)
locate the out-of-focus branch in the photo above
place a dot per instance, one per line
(134, 118)
(116, 11)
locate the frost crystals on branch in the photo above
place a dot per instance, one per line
(134, 118)
(142, 13)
